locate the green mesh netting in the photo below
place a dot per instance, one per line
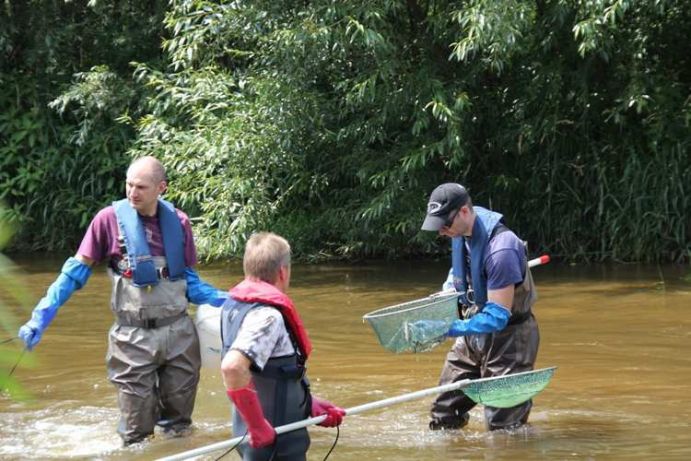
(392, 324)
(510, 390)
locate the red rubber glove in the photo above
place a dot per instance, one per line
(247, 403)
(324, 407)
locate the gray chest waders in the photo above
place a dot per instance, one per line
(282, 388)
(284, 395)
(153, 355)
(511, 350)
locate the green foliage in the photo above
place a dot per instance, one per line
(52, 177)
(331, 122)
(66, 80)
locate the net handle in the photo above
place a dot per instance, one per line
(366, 407)
(539, 261)
(417, 304)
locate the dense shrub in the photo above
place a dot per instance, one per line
(331, 122)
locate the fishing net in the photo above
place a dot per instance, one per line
(396, 326)
(510, 390)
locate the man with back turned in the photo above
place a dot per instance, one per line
(265, 350)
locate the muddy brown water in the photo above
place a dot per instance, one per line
(619, 336)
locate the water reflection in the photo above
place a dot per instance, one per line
(619, 335)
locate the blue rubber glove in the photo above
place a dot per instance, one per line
(73, 276)
(200, 292)
(493, 317)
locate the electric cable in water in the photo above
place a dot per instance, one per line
(338, 432)
(18, 360)
(15, 365)
(231, 448)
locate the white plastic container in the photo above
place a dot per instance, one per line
(208, 323)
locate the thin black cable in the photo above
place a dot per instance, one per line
(273, 452)
(338, 432)
(7, 341)
(15, 365)
(18, 360)
(232, 448)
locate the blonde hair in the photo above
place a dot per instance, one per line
(265, 254)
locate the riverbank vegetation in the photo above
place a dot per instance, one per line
(331, 122)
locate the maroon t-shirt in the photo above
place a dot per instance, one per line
(100, 241)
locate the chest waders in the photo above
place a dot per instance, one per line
(153, 350)
(511, 350)
(282, 388)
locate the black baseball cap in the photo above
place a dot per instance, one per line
(445, 199)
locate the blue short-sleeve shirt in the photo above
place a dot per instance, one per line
(505, 261)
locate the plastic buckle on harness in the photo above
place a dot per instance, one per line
(469, 311)
(150, 324)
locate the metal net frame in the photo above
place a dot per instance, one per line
(509, 390)
(391, 324)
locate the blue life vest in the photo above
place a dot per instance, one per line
(485, 222)
(138, 254)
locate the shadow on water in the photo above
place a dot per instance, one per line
(619, 335)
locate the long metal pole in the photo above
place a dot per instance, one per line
(318, 419)
(544, 259)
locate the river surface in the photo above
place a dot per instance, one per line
(619, 335)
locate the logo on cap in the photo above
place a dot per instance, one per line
(433, 207)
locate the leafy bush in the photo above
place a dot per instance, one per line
(331, 122)
(66, 80)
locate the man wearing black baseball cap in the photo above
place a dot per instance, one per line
(444, 203)
(498, 334)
